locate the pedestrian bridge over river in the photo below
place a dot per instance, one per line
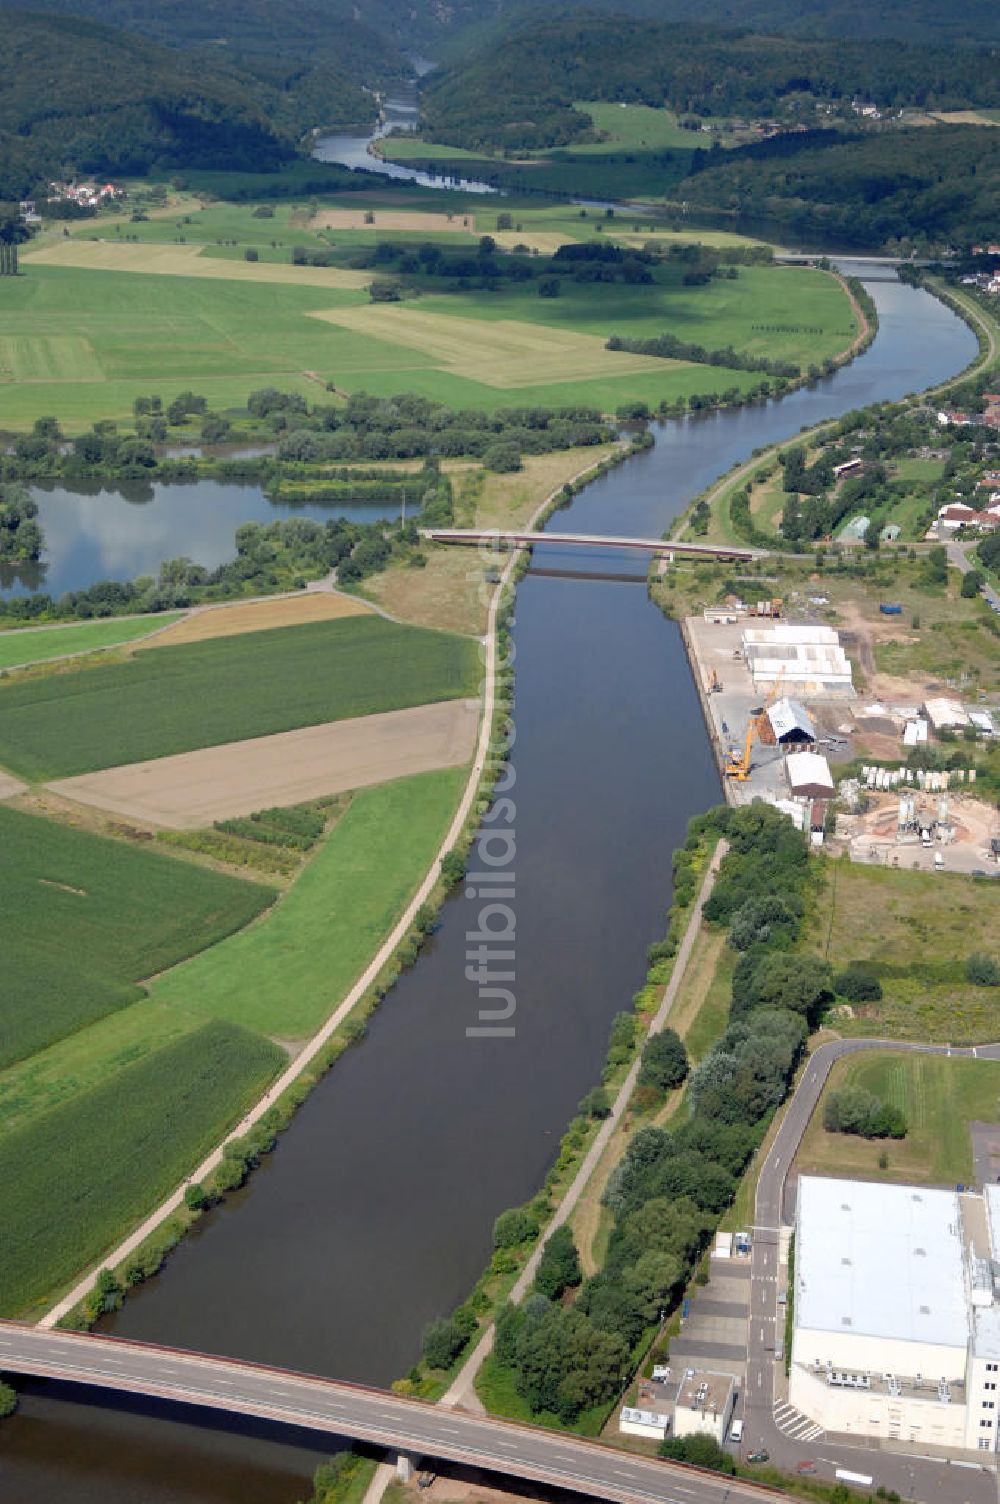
(512, 539)
(411, 1427)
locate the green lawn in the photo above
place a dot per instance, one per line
(37, 644)
(83, 919)
(75, 1180)
(82, 343)
(176, 699)
(939, 1096)
(285, 975)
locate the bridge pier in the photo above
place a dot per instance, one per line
(404, 1467)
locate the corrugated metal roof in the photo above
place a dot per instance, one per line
(789, 718)
(808, 771)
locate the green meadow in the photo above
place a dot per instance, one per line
(227, 689)
(84, 919)
(40, 644)
(286, 975)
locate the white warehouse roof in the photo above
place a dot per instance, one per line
(945, 713)
(789, 718)
(808, 772)
(880, 1261)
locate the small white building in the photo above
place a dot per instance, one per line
(704, 1404)
(945, 715)
(653, 1424)
(809, 776)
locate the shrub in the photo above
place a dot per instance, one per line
(513, 1227)
(559, 1267)
(442, 1342)
(982, 970)
(250, 254)
(502, 457)
(8, 1400)
(195, 1197)
(858, 983)
(664, 1061)
(855, 1110)
(596, 1104)
(700, 1451)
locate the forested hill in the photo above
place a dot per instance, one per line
(326, 31)
(520, 95)
(922, 189)
(77, 96)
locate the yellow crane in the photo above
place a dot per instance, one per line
(738, 766)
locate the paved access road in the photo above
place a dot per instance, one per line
(913, 1477)
(371, 1415)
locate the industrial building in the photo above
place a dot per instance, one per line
(897, 1312)
(704, 1404)
(809, 776)
(805, 657)
(790, 723)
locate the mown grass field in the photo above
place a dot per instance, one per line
(88, 327)
(284, 976)
(40, 644)
(76, 1179)
(83, 919)
(226, 689)
(917, 928)
(938, 1095)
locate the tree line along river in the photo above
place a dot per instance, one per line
(374, 1214)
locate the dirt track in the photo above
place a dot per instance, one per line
(10, 786)
(257, 616)
(220, 783)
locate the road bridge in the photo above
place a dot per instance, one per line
(411, 1427)
(514, 539)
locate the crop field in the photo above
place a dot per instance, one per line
(83, 919)
(40, 644)
(496, 352)
(89, 326)
(285, 975)
(917, 929)
(938, 1095)
(189, 261)
(236, 779)
(258, 616)
(75, 1179)
(227, 689)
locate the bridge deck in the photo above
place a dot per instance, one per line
(371, 1415)
(518, 538)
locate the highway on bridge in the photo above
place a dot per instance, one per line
(371, 1415)
(497, 536)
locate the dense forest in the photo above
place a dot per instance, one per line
(113, 103)
(241, 29)
(930, 187)
(520, 96)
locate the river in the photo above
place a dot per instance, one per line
(374, 1214)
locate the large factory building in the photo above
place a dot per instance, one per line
(897, 1312)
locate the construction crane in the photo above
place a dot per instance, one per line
(714, 684)
(738, 765)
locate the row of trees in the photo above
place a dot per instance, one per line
(572, 1343)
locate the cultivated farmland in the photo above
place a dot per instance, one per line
(203, 694)
(74, 1180)
(83, 919)
(258, 616)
